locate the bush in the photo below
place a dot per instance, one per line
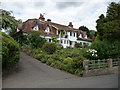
(106, 49)
(59, 46)
(35, 40)
(49, 61)
(57, 57)
(79, 72)
(10, 51)
(78, 63)
(39, 56)
(50, 48)
(68, 60)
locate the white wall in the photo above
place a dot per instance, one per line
(47, 29)
(72, 37)
(36, 28)
(66, 41)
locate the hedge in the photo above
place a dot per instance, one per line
(10, 51)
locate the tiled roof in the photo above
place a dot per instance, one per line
(28, 25)
(63, 27)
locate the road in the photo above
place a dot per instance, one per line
(31, 73)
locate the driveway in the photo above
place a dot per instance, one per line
(31, 73)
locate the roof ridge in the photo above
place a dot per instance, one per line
(65, 26)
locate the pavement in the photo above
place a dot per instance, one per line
(31, 73)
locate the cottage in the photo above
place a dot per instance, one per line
(67, 35)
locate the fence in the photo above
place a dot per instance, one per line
(96, 64)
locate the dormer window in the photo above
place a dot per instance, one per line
(80, 36)
(47, 29)
(36, 28)
(85, 36)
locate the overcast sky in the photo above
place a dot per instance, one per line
(78, 12)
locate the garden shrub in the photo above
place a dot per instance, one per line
(35, 40)
(49, 61)
(39, 56)
(57, 64)
(79, 72)
(59, 46)
(10, 51)
(50, 48)
(68, 60)
(71, 71)
(36, 51)
(77, 63)
(106, 49)
(57, 57)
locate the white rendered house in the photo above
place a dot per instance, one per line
(67, 35)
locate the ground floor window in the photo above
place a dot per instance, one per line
(60, 41)
(70, 42)
(64, 41)
(67, 41)
(49, 40)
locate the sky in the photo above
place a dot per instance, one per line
(79, 12)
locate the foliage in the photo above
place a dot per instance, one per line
(92, 33)
(9, 23)
(108, 40)
(54, 39)
(35, 40)
(59, 46)
(50, 48)
(20, 37)
(10, 51)
(108, 27)
(68, 60)
(91, 54)
(62, 31)
(106, 49)
(84, 28)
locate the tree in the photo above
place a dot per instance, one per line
(109, 27)
(9, 23)
(107, 41)
(84, 28)
(92, 33)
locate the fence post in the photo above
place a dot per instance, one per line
(110, 63)
(85, 64)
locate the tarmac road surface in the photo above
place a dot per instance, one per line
(31, 73)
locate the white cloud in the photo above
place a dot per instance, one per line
(85, 13)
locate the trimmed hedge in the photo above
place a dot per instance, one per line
(10, 51)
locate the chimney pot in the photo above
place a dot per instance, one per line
(49, 20)
(70, 24)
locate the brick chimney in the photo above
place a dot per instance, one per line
(41, 17)
(70, 24)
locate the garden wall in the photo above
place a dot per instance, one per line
(101, 71)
